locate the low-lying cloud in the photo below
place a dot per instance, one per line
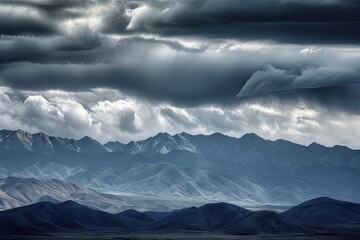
(99, 115)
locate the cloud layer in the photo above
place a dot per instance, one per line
(108, 115)
(294, 21)
(286, 21)
(179, 65)
(180, 51)
(168, 71)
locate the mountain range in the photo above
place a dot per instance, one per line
(17, 192)
(249, 170)
(317, 216)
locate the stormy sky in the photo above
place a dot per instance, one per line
(126, 70)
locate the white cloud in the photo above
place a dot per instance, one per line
(310, 51)
(40, 112)
(120, 115)
(110, 115)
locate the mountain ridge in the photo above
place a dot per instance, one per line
(17, 192)
(248, 147)
(49, 218)
(202, 167)
(184, 134)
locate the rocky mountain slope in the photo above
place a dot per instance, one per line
(213, 168)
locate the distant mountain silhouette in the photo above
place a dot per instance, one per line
(134, 215)
(230, 219)
(268, 222)
(21, 141)
(217, 144)
(47, 218)
(206, 218)
(326, 211)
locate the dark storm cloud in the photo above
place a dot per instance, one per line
(273, 80)
(19, 23)
(50, 6)
(159, 69)
(78, 48)
(116, 21)
(39, 18)
(169, 83)
(178, 118)
(289, 21)
(81, 45)
(343, 99)
(166, 70)
(52, 9)
(48, 17)
(127, 122)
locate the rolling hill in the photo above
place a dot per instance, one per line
(70, 217)
(17, 192)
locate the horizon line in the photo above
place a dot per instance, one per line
(183, 132)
